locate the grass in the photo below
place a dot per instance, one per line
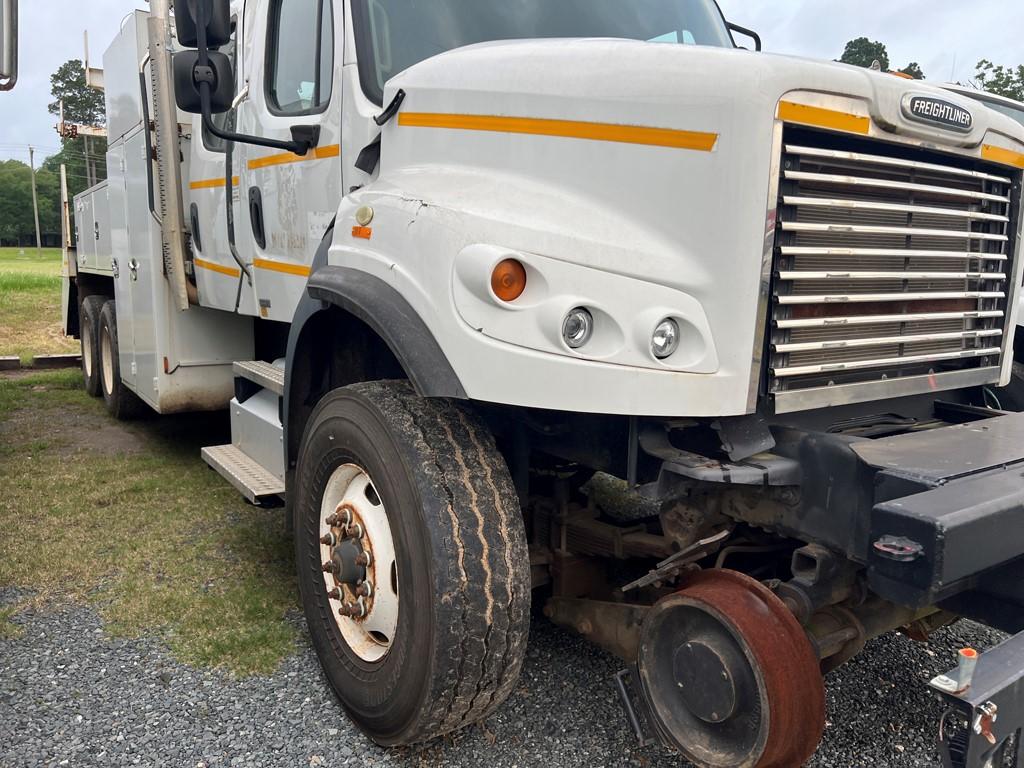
(30, 322)
(130, 520)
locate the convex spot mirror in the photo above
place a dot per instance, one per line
(188, 74)
(218, 22)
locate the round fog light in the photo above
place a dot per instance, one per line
(577, 328)
(665, 340)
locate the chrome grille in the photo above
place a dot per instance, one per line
(890, 263)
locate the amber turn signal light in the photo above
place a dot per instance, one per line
(508, 280)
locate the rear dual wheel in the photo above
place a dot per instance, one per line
(121, 402)
(412, 561)
(89, 333)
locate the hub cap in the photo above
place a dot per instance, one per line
(360, 571)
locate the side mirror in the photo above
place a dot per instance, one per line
(189, 73)
(8, 44)
(218, 24)
(746, 33)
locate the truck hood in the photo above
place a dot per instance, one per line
(600, 79)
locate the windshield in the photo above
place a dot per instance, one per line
(392, 35)
(1006, 109)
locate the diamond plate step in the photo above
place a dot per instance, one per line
(247, 475)
(266, 375)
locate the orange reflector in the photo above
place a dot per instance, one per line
(508, 280)
(364, 233)
(969, 653)
(167, 365)
(791, 112)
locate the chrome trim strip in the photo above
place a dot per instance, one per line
(797, 276)
(764, 296)
(813, 250)
(865, 205)
(862, 229)
(878, 341)
(895, 362)
(893, 161)
(860, 181)
(828, 322)
(889, 389)
(861, 298)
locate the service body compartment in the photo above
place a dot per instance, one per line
(92, 225)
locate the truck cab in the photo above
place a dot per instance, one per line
(700, 346)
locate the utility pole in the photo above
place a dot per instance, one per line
(35, 200)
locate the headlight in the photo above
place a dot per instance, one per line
(577, 328)
(665, 340)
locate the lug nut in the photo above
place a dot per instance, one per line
(333, 520)
(364, 559)
(330, 567)
(329, 539)
(365, 589)
(354, 531)
(334, 594)
(343, 515)
(352, 610)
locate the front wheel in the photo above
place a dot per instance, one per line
(412, 561)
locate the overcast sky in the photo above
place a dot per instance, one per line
(946, 37)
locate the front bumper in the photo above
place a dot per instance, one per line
(982, 726)
(948, 518)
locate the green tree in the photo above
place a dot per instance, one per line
(83, 105)
(15, 201)
(863, 53)
(914, 70)
(1006, 81)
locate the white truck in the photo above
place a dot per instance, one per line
(579, 300)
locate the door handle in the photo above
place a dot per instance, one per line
(256, 217)
(133, 269)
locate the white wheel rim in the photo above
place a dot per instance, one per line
(107, 355)
(370, 636)
(87, 350)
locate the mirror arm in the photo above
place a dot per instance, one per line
(304, 137)
(744, 31)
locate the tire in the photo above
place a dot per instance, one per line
(121, 402)
(89, 333)
(459, 548)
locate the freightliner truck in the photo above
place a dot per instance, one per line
(697, 347)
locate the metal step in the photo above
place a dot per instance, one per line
(266, 375)
(247, 475)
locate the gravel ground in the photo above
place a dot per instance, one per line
(70, 695)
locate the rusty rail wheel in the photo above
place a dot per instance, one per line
(730, 676)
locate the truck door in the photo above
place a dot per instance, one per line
(287, 200)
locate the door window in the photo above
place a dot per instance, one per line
(300, 58)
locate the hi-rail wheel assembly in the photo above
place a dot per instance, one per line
(729, 676)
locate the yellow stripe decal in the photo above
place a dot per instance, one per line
(283, 158)
(819, 117)
(281, 266)
(1004, 156)
(211, 183)
(219, 269)
(570, 129)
